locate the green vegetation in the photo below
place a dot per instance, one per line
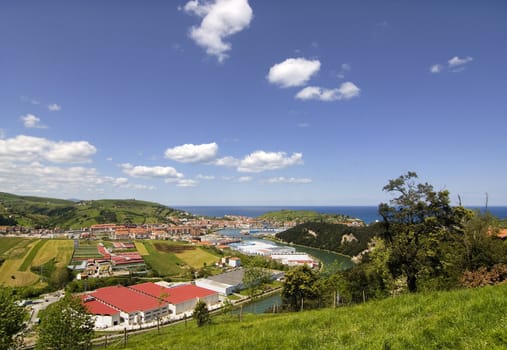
(463, 319)
(301, 216)
(41, 212)
(12, 318)
(66, 324)
(31, 255)
(162, 260)
(335, 237)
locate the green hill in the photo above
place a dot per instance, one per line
(335, 237)
(301, 216)
(464, 319)
(50, 212)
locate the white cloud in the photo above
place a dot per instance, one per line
(293, 72)
(243, 179)
(186, 183)
(54, 107)
(436, 68)
(190, 153)
(205, 177)
(2, 134)
(227, 162)
(456, 61)
(151, 172)
(346, 91)
(290, 180)
(31, 121)
(303, 125)
(259, 161)
(24, 148)
(220, 19)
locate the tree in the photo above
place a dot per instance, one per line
(66, 324)
(418, 224)
(12, 320)
(201, 313)
(300, 287)
(254, 278)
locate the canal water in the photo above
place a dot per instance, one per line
(260, 306)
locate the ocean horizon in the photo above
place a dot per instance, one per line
(366, 213)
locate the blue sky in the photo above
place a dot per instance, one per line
(236, 102)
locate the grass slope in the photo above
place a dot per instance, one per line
(50, 212)
(464, 319)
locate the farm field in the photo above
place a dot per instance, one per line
(196, 257)
(61, 250)
(22, 254)
(162, 260)
(11, 274)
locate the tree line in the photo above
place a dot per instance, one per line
(422, 244)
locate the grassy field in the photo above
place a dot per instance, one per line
(163, 262)
(464, 319)
(11, 274)
(23, 254)
(61, 250)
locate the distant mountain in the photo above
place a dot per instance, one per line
(40, 212)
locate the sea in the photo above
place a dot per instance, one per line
(368, 214)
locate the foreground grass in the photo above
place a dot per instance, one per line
(465, 319)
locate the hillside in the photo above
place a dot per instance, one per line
(50, 212)
(463, 319)
(335, 237)
(301, 216)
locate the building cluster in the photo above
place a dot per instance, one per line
(284, 254)
(145, 303)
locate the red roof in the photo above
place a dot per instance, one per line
(175, 295)
(126, 299)
(96, 307)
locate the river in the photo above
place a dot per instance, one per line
(330, 260)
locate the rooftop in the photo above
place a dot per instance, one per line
(174, 295)
(126, 299)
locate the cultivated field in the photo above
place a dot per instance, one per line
(11, 274)
(196, 257)
(22, 254)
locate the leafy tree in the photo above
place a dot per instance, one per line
(66, 324)
(418, 223)
(300, 287)
(201, 313)
(254, 278)
(12, 320)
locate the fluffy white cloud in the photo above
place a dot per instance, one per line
(346, 91)
(259, 161)
(220, 19)
(293, 72)
(151, 172)
(290, 180)
(456, 61)
(436, 68)
(24, 148)
(31, 121)
(54, 107)
(190, 153)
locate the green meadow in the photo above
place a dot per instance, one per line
(462, 319)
